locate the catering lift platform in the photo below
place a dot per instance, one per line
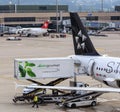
(28, 96)
(61, 98)
(59, 69)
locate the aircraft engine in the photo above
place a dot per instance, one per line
(90, 67)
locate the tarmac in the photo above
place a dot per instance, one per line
(42, 47)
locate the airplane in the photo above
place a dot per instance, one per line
(102, 68)
(34, 31)
(95, 33)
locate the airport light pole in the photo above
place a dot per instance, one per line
(57, 16)
(102, 5)
(10, 4)
(15, 8)
(16, 5)
(18, 2)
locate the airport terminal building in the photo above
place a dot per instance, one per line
(34, 15)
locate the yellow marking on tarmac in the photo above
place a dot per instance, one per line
(100, 49)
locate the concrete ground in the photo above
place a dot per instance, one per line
(51, 47)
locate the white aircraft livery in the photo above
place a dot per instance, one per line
(34, 31)
(102, 68)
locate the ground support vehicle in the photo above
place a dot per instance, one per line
(53, 98)
(28, 93)
(14, 38)
(23, 98)
(87, 99)
(42, 68)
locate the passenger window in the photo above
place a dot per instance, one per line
(116, 71)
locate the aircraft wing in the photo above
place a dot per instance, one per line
(104, 90)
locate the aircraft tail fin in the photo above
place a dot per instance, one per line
(45, 25)
(81, 40)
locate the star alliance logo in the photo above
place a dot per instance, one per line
(80, 40)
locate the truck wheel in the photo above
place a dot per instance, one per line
(1, 34)
(93, 103)
(73, 106)
(28, 35)
(40, 101)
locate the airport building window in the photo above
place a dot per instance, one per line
(4, 8)
(90, 18)
(7, 8)
(64, 18)
(42, 19)
(117, 8)
(42, 8)
(19, 19)
(32, 8)
(54, 18)
(115, 17)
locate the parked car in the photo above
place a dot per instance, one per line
(78, 103)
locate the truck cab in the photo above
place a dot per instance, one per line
(29, 89)
(78, 84)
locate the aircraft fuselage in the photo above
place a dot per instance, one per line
(102, 68)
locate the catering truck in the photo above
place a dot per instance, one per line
(37, 68)
(59, 69)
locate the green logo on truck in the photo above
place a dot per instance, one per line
(26, 69)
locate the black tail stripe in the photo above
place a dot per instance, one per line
(81, 40)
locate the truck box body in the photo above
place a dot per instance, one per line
(43, 68)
